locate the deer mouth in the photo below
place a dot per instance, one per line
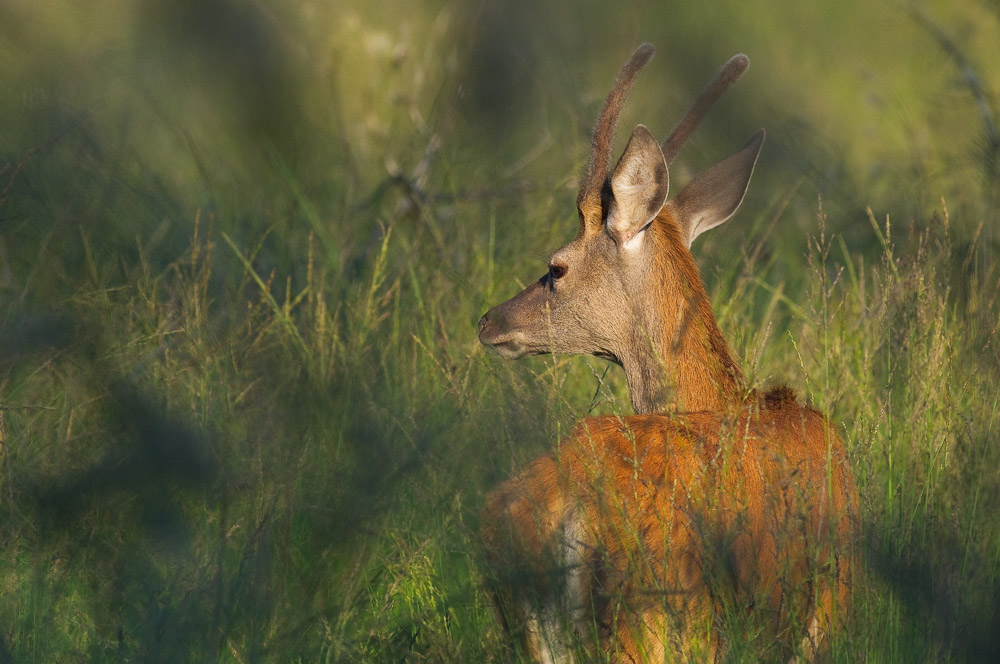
(509, 350)
(507, 347)
(504, 342)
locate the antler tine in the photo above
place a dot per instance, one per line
(725, 77)
(589, 199)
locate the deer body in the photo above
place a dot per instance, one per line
(635, 534)
(642, 530)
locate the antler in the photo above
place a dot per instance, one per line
(599, 167)
(725, 77)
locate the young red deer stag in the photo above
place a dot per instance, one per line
(673, 532)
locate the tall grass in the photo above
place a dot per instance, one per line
(243, 412)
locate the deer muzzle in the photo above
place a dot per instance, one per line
(495, 332)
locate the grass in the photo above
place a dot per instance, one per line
(244, 415)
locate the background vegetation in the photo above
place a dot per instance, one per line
(244, 245)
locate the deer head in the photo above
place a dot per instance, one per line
(627, 288)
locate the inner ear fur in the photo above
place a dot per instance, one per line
(716, 194)
(639, 186)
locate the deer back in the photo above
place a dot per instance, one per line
(643, 530)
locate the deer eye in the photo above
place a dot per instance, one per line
(557, 270)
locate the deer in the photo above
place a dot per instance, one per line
(714, 514)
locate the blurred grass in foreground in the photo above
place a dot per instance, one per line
(243, 248)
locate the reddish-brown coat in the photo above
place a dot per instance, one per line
(677, 518)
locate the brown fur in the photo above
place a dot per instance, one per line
(678, 518)
(702, 368)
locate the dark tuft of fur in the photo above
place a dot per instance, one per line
(779, 395)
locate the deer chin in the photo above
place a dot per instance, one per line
(507, 346)
(510, 350)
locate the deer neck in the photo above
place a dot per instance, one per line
(677, 359)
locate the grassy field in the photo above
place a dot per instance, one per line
(243, 248)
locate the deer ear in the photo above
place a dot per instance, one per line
(715, 195)
(638, 187)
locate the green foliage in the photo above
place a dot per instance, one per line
(243, 247)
